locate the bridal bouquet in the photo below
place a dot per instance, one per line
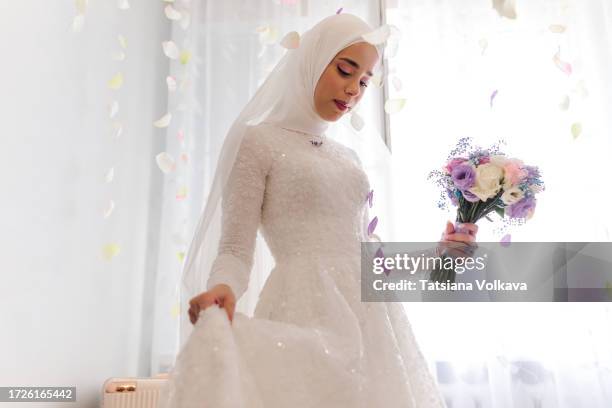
(481, 181)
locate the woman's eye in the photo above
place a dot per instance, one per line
(344, 73)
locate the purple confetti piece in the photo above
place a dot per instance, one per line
(505, 241)
(339, 10)
(380, 254)
(370, 197)
(493, 95)
(372, 225)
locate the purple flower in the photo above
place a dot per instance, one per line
(521, 208)
(464, 176)
(471, 197)
(532, 171)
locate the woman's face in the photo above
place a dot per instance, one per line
(344, 81)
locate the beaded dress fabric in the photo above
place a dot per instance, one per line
(311, 341)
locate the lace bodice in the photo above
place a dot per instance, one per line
(307, 199)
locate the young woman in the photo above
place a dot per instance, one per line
(311, 342)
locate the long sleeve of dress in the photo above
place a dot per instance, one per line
(241, 215)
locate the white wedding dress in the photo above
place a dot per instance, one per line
(311, 342)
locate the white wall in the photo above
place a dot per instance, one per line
(68, 317)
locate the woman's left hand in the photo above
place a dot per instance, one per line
(454, 242)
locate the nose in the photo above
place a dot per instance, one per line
(352, 89)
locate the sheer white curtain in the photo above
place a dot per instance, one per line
(463, 70)
(225, 50)
(451, 58)
(78, 179)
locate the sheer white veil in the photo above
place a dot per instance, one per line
(285, 98)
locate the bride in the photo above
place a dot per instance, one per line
(311, 341)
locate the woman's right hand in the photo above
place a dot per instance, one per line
(221, 295)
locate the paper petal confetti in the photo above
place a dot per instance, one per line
(339, 10)
(77, 23)
(357, 121)
(123, 4)
(505, 241)
(113, 108)
(180, 135)
(116, 81)
(483, 44)
(372, 225)
(109, 209)
(378, 36)
(394, 105)
(566, 67)
(117, 130)
(182, 193)
(119, 56)
(380, 254)
(576, 129)
(165, 162)
(164, 121)
(110, 175)
(397, 83)
(505, 8)
(122, 41)
(492, 97)
(81, 6)
(181, 256)
(109, 251)
(170, 49)
(557, 28)
(185, 57)
(267, 35)
(565, 103)
(377, 79)
(172, 13)
(369, 198)
(171, 83)
(185, 158)
(291, 40)
(175, 311)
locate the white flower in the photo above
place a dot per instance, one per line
(499, 160)
(512, 195)
(488, 179)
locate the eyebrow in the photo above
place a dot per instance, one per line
(354, 64)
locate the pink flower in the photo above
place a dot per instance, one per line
(513, 173)
(453, 163)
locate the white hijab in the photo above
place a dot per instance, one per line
(286, 98)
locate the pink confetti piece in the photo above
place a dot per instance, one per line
(564, 66)
(372, 225)
(493, 95)
(339, 10)
(185, 158)
(181, 194)
(505, 241)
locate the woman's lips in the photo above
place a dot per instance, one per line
(340, 105)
